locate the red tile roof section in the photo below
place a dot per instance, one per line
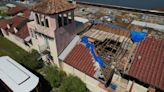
(150, 67)
(23, 32)
(81, 59)
(3, 23)
(26, 13)
(17, 20)
(15, 10)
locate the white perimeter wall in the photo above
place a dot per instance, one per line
(18, 41)
(91, 83)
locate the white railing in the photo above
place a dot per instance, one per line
(43, 47)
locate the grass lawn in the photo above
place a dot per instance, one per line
(8, 48)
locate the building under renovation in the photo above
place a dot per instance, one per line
(100, 54)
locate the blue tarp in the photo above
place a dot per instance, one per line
(137, 36)
(91, 47)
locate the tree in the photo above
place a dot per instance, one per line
(54, 75)
(31, 60)
(72, 84)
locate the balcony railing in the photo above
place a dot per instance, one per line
(43, 48)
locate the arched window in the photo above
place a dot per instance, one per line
(37, 18)
(46, 22)
(60, 20)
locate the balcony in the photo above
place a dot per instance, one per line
(43, 48)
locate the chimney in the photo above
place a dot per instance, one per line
(8, 26)
(15, 30)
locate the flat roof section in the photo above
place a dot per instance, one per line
(15, 76)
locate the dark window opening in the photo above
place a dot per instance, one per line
(60, 20)
(37, 18)
(65, 20)
(69, 17)
(30, 42)
(42, 23)
(26, 44)
(46, 21)
(70, 20)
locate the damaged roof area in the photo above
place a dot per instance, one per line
(101, 32)
(111, 45)
(148, 62)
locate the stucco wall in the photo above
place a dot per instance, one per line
(64, 35)
(53, 50)
(18, 41)
(91, 83)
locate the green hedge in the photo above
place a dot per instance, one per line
(62, 82)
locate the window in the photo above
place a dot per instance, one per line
(42, 17)
(46, 22)
(60, 20)
(65, 19)
(37, 18)
(70, 17)
(42, 23)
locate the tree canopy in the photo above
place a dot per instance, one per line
(62, 82)
(53, 75)
(30, 60)
(72, 84)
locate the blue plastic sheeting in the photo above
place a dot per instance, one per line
(91, 47)
(137, 36)
(113, 86)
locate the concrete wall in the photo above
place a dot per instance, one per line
(18, 41)
(53, 50)
(91, 83)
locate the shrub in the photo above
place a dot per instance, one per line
(72, 84)
(30, 60)
(53, 75)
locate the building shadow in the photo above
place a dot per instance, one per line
(44, 85)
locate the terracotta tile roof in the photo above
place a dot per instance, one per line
(52, 6)
(17, 20)
(148, 63)
(15, 10)
(23, 32)
(19, 23)
(3, 23)
(81, 59)
(26, 13)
